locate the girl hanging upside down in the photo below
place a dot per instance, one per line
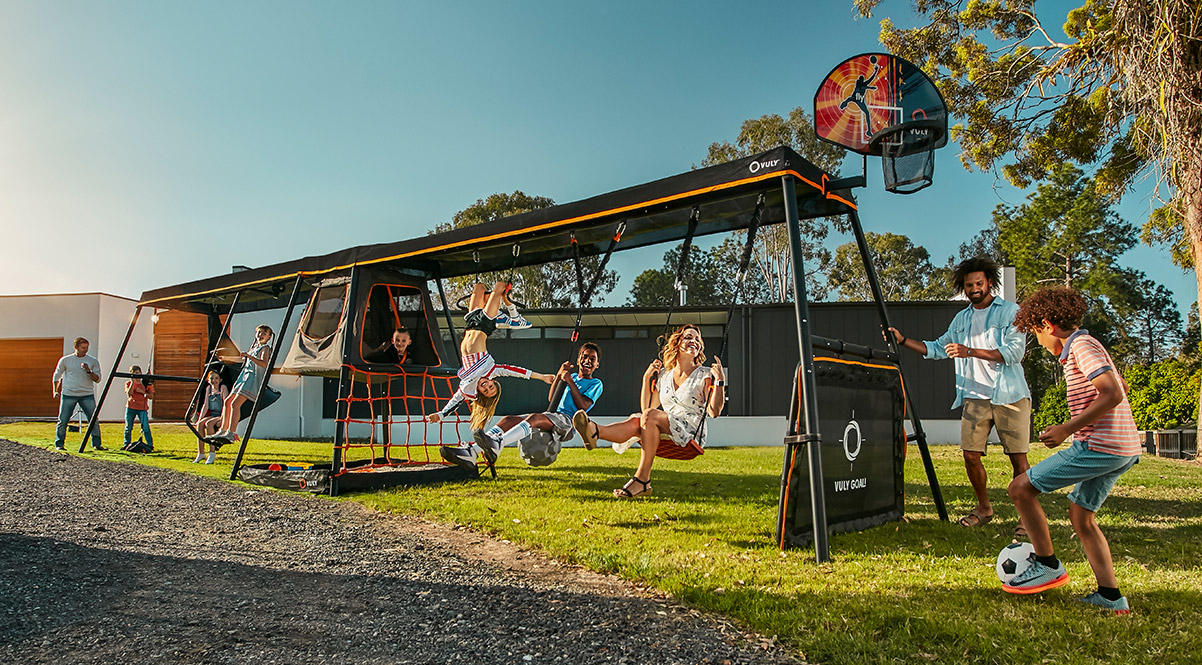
(476, 377)
(682, 394)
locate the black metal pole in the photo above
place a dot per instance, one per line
(209, 357)
(919, 435)
(446, 310)
(94, 421)
(809, 395)
(346, 384)
(275, 353)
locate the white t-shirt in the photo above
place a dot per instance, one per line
(76, 382)
(980, 374)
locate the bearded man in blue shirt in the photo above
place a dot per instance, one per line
(990, 385)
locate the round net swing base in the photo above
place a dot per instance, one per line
(907, 153)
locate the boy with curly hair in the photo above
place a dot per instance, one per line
(1105, 444)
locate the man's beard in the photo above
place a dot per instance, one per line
(977, 298)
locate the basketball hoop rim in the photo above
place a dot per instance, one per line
(934, 126)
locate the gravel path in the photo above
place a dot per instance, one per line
(104, 562)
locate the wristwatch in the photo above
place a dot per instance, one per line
(720, 382)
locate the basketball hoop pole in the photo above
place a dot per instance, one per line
(809, 413)
(919, 435)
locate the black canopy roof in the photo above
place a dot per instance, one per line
(724, 196)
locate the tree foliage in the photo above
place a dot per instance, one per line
(903, 270)
(1163, 395)
(772, 259)
(1120, 89)
(1064, 234)
(546, 285)
(709, 278)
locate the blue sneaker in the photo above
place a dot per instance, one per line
(1037, 577)
(464, 458)
(488, 445)
(1119, 606)
(517, 322)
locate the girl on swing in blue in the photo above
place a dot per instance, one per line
(246, 387)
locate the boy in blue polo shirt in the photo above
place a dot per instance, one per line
(582, 392)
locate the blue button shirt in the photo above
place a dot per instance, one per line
(1011, 384)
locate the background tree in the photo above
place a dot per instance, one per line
(772, 258)
(1149, 314)
(1120, 89)
(710, 277)
(1065, 234)
(902, 268)
(546, 285)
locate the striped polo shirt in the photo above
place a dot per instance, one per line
(1084, 358)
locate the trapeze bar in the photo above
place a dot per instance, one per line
(841, 347)
(156, 377)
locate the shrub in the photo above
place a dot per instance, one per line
(1053, 408)
(1163, 395)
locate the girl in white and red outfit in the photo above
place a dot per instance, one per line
(476, 377)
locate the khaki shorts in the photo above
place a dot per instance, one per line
(1012, 421)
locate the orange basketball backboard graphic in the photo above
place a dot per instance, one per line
(871, 92)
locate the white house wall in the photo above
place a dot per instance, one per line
(100, 318)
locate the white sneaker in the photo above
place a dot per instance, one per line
(622, 447)
(211, 458)
(199, 458)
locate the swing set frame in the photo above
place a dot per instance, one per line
(776, 186)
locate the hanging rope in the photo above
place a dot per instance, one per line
(586, 295)
(744, 263)
(681, 266)
(463, 299)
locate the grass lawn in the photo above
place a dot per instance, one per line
(917, 591)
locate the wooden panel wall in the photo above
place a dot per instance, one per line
(26, 367)
(180, 340)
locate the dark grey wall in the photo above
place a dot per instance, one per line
(761, 358)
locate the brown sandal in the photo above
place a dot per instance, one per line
(581, 422)
(624, 492)
(974, 519)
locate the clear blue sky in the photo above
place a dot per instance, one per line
(144, 144)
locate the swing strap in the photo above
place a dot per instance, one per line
(744, 262)
(585, 294)
(682, 265)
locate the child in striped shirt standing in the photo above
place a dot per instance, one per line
(1105, 444)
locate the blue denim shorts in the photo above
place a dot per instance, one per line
(1093, 473)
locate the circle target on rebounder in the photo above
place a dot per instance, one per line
(541, 448)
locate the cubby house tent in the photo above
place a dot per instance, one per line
(358, 295)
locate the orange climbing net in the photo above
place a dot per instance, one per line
(390, 408)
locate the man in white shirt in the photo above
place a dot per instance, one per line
(73, 380)
(990, 384)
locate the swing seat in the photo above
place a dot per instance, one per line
(270, 396)
(669, 450)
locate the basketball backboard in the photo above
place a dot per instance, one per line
(869, 93)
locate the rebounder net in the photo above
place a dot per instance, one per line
(860, 417)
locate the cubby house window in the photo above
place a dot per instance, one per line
(324, 317)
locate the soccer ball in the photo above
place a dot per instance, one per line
(539, 449)
(1014, 559)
